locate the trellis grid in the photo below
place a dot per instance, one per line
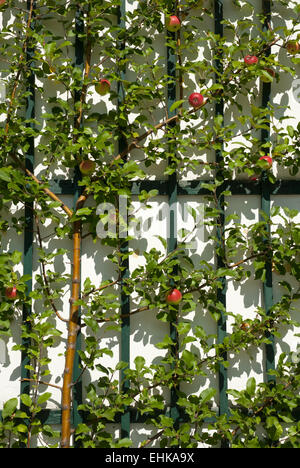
(171, 188)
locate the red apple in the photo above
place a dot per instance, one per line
(250, 59)
(2, 2)
(265, 78)
(174, 297)
(245, 326)
(87, 167)
(11, 292)
(103, 87)
(196, 99)
(268, 159)
(173, 23)
(293, 47)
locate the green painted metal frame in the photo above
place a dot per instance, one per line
(266, 207)
(221, 332)
(29, 221)
(125, 299)
(173, 412)
(172, 189)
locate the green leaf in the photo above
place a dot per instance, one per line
(50, 48)
(9, 407)
(5, 174)
(43, 398)
(166, 343)
(122, 443)
(22, 428)
(189, 359)
(26, 400)
(183, 328)
(267, 75)
(207, 394)
(274, 427)
(291, 131)
(162, 240)
(176, 104)
(16, 257)
(84, 211)
(139, 363)
(251, 386)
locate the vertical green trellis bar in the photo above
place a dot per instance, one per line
(79, 63)
(125, 300)
(172, 197)
(265, 206)
(219, 110)
(28, 233)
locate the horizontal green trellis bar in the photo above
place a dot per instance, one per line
(195, 187)
(51, 416)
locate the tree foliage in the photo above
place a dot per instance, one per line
(134, 133)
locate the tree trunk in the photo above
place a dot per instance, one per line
(73, 328)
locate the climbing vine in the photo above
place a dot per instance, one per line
(103, 118)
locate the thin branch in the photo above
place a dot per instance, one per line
(134, 144)
(104, 286)
(15, 158)
(48, 192)
(21, 65)
(244, 260)
(44, 274)
(41, 382)
(152, 439)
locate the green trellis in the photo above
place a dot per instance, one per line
(171, 188)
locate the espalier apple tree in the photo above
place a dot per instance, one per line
(104, 118)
